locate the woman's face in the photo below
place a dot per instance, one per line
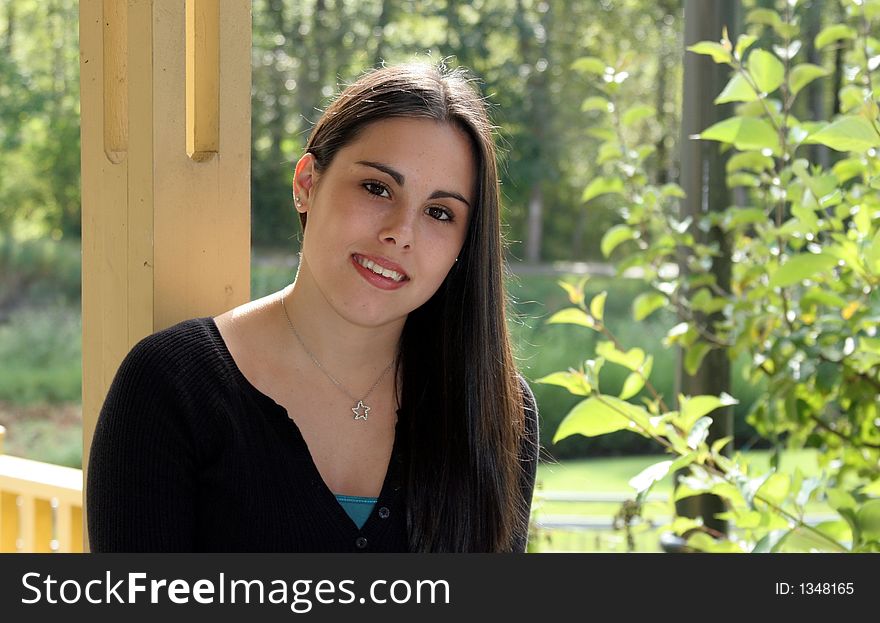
(387, 218)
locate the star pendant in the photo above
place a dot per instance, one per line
(360, 405)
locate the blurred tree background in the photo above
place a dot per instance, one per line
(525, 55)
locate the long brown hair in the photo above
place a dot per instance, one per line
(462, 406)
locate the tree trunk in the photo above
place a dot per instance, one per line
(838, 63)
(379, 32)
(276, 120)
(664, 61)
(702, 177)
(536, 105)
(10, 30)
(815, 91)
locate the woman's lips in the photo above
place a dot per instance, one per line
(380, 281)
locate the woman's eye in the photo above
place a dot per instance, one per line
(375, 188)
(441, 214)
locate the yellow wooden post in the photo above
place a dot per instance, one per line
(8, 522)
(165, 106)
(8, 513)
(27, 508)
(42, 526)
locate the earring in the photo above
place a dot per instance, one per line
(297, 201)
(456, 259)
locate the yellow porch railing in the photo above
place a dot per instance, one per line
(40, 506)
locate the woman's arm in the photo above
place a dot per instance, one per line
(141, 486)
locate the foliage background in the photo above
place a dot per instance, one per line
(521, 50)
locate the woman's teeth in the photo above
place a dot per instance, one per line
(385, 272)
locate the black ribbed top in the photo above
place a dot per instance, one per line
(188, 456)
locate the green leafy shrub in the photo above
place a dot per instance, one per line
(803, 306)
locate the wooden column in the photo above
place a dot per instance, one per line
(165, 101)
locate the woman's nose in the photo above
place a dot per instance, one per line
(399, 228)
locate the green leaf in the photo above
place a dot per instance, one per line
(768, 17)
(683, 461)
(702, 542)
(596, 103)
(597, 306)
(636, 380)
(767, 71)
(834, 33)
(575, 291)
(647, 303)
(868, 518)
(838, 530)
(800, 540)
(823, 297)
(572, 315)
(752, 160)
(632, 385)
(849, 133)
(609, 150)
(737, 90)
(704, 301)
(872, 255)
(768, 542)
(694, 407)
(650, 475)
(589, 64)
(616, 236)
(742, 44)
(694, 357)
(602, 186)
(851, 96)
(804, 74)
(846, 169)
(593, 417)
(840, 499)
(800, 267)
(711, 48)
(699, 432)
(590, 418)
(574, 382)
(775, 488)
(720, 443)
(633, 359)
(637, 113)
(682, 524)
(744, 216)
(672, 190)
(744, 132)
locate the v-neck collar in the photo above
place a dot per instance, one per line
(391, 484)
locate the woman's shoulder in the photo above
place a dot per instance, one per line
(174, 345)
(185, 357)
(530, 412)
(530, 406)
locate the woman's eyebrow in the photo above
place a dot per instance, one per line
(441, 194)
(397, 175)
(400, 178)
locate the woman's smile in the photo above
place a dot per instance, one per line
(380, 272)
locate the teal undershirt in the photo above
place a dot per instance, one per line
(358, 508)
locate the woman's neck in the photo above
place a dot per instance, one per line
(352, 353)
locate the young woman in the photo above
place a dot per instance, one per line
(373, 404)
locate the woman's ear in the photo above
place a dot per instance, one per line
(304, 177)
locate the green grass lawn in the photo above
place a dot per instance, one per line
(612, 475)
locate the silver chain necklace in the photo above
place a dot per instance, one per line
(360, 409)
